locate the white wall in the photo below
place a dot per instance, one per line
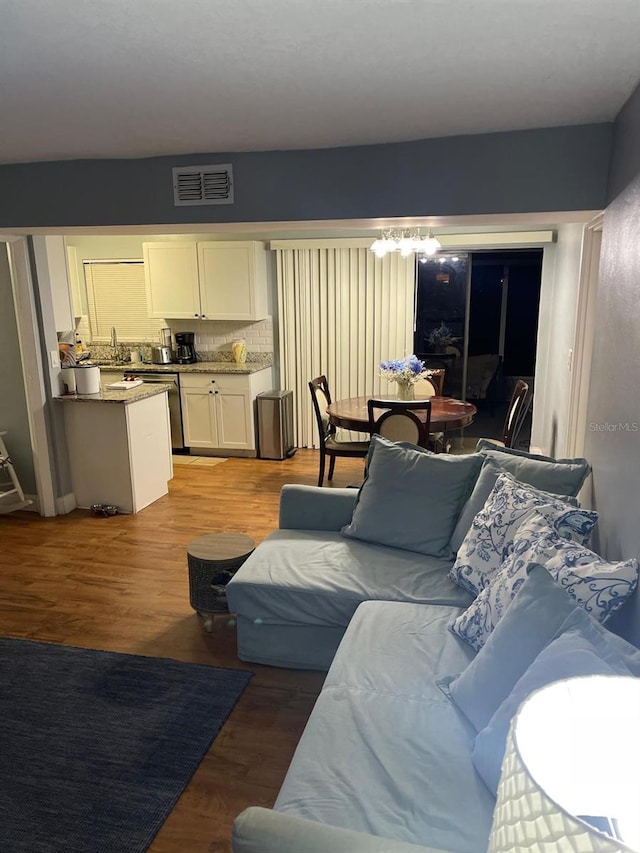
(14, 416)
(556, 331)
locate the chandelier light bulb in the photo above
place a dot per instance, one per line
(406, 242)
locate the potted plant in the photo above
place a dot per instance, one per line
(441, 337)
(406, 372)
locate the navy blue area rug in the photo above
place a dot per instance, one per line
(96, 747)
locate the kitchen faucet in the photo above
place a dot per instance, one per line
(114, 343)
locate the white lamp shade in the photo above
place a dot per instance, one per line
(571, 772)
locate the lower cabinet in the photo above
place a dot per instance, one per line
(218, 410)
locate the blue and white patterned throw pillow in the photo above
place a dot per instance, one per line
(600, 587)
(490, 537)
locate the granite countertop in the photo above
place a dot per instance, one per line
(140, 392)
(198, 367)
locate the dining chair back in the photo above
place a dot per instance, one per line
(328, 443)
(425, 387)
(400, 420)
(516, 413)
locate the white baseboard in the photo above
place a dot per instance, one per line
(66, 504)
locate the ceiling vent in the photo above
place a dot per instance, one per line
(203, 185)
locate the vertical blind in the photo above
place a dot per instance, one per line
(341, 312)
(117, 296)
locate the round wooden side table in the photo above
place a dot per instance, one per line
(213, 559)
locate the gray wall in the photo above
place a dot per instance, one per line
(550, 169)
(625, 155)
(613, 433)
(13, 404)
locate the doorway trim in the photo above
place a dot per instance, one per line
(580, 364)
(32, 372)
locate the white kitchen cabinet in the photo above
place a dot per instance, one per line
(119, 452)
(206, 281)
(199, 422)
(233, 280)
(218, 410)
(171, 276)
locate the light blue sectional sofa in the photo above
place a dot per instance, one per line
(386, 761)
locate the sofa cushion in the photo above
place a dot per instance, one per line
(558, 476)
(412, 498)
(599, 586)
(384, 751)
(489, 474)
(490, 537)
(538, 610)
(582, 647)
(320, 577)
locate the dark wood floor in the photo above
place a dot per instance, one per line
(120, 583)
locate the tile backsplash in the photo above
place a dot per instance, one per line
(217, 335)
(212, 338)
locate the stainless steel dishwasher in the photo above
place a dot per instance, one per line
(175, 409)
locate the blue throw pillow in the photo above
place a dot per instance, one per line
(489, 474)
(582, 647)
(411, 498)
(490, 538)
(534, 618)
(558, 476)
(599, 586)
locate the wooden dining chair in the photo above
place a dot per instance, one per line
(329, 444)
(426, 387)
(516, 413)
(437, 375)
(399, 420)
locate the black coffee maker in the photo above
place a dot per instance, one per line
(185, 348)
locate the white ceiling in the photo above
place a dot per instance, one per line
(136, 78)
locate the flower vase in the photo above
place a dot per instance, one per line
(406, 391)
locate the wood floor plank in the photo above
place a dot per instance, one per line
(121, 584)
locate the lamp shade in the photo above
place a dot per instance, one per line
(571, 772)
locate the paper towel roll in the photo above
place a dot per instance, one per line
(87, 379)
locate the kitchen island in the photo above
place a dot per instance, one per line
(119, 445)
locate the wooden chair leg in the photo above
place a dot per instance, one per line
(332, 465)
(321, 473)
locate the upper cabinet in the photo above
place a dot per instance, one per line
(206, 281)
(171, 275)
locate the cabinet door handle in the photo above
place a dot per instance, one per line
(196, 315)
(203, 316)
(213, 381)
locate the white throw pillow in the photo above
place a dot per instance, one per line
(490, 537)
(600, 587)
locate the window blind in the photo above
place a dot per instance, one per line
(117, 296)
(341, 312)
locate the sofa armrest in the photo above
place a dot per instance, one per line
(315, 508)
(258, 830)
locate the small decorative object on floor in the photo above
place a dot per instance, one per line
(406, 372)
(213, 559)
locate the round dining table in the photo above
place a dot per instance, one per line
(447, 413)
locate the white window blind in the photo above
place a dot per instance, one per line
(341, 312)
(117, 296)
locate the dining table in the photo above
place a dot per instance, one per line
(447, 413)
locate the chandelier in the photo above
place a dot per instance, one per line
(405, 241)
